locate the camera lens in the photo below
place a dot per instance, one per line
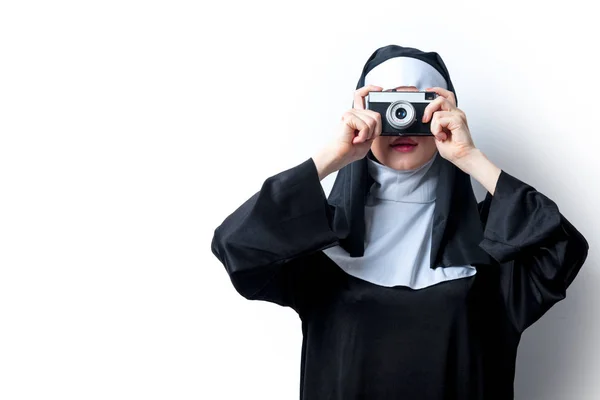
(400, 113)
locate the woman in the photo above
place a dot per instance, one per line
(406, 287)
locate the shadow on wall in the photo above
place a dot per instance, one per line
(554, 358)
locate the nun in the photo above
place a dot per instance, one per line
(406, 286)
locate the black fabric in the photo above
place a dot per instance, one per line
(453, 340)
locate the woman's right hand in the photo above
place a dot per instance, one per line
(357, 131)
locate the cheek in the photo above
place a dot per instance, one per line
(429, 144)
(380, 143)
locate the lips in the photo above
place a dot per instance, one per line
(403, 140)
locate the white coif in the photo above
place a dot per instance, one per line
(399, 219)
(405, 71)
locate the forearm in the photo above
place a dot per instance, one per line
(481, 168)
(324, 162)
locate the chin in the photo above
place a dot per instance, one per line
(388, 156)
(402, 165)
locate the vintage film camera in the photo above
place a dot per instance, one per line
(401, 112)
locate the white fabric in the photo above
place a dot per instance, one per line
(405, 71)
(399, 220)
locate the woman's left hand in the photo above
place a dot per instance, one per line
(448, 126)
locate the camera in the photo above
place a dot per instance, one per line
(401, 112)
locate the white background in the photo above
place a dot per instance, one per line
(131, 129)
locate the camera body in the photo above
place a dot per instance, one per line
(401, 112)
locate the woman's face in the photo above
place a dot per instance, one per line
(415, 157)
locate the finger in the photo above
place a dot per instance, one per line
(440, 114)
(440, 103)
(438, 124)
(456, 113)
(447, 94)
(362, 136)
(358, 124)
(371, 119)
(359, 94)
(378, 124)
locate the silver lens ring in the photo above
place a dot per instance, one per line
(404, 122)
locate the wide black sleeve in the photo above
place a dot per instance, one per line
(539, 251)
(269, 244)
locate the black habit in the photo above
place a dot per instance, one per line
(453, 340)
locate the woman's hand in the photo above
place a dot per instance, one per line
(357, 131)
(449, 126)
(454, 142)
